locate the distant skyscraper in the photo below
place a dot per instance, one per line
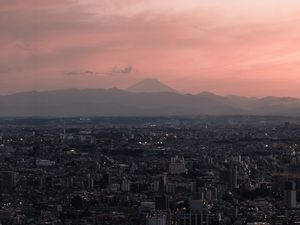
(234, 177)
(290, 195)
(125, 185)
(229, 177)
(162, 183)
(8, 180)
(64, 135)
(162, 202)
(177, 165)
(106, 180)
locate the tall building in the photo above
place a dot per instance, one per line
(177, 165)
(8, 180)
(125, 185)
(290, 195)
(64, 135)
(234, 177)
(230, 177)
(106, 180)
(162, 183)
(162, 202)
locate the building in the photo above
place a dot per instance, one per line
(162, 202)
(8, 180)
(147, 207)
(197, 215)
(125, 186)
(193, 218)
(156, 219)
(290, 195)
(177, 165)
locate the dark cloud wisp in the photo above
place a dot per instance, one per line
(115, 70)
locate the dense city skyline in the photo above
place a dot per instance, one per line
(228, 47)
(200, 170)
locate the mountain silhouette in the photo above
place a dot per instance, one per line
(150, 86)
(148, 102)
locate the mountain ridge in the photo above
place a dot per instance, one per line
(117, 102)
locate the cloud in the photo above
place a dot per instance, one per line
(125, 70)
(84, 73)
(114, 71)
(71, 73)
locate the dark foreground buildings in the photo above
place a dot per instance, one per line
(154, 171)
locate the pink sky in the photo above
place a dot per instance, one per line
(225, 46)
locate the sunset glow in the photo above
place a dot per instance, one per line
(241, 47)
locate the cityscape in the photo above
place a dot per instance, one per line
(149, 112)
(202, 170)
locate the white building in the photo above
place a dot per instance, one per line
(126, 184)
(44, 162)
(177, 165)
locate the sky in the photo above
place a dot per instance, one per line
(245, 47)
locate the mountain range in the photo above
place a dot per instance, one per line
(147, 98)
